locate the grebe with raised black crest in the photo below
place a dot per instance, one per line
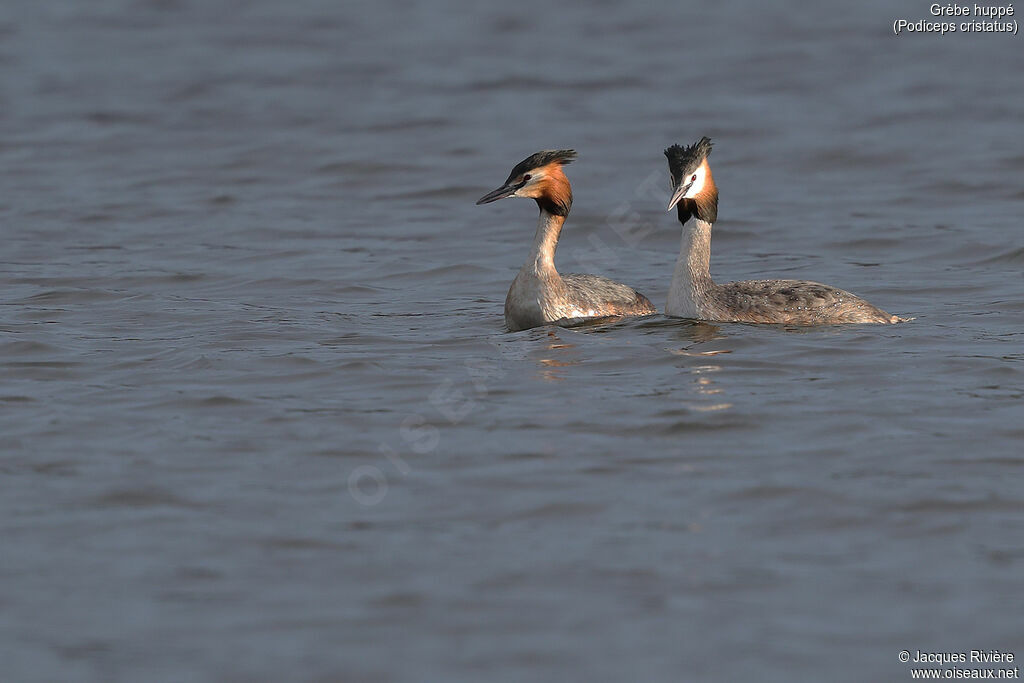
(693, 294)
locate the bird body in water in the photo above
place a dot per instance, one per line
(693, 294)
(539, 295)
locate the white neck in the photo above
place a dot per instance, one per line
(542, 253)
(691, 281)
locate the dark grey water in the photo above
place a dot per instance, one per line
(260, 419)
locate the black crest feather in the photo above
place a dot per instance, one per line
(683, 161)
(543, 158)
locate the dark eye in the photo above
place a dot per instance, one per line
(527, 177)
(693, 177)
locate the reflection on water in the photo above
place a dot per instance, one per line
(697, 334)
(704, 386)
(559, 355)
(700, 332)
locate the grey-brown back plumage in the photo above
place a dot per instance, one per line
(798, 302)
(617, 298)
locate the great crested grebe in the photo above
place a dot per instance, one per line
(693, 294)
(539, 295)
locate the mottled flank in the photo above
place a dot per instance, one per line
(614, 298)
(796, 302)
(543, 297)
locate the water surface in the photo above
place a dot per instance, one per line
(261, 419)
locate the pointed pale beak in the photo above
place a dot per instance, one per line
(500, 193)
(678, 195)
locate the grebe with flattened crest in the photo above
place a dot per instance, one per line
(539, 295)
(693, 294)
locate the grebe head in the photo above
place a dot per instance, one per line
(539, 177)
(693, 188)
